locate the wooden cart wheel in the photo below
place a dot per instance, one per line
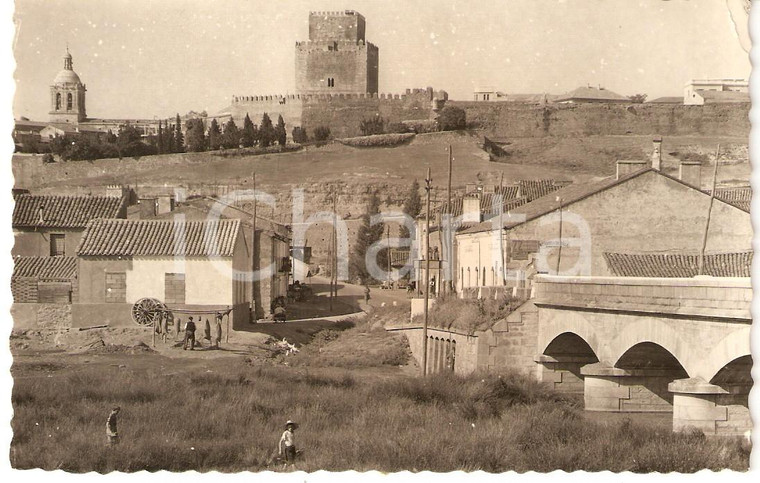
(147, 311)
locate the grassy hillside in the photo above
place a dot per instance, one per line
(576, 159)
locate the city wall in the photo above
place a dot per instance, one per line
(533, 120)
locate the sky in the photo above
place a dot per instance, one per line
(147, 58)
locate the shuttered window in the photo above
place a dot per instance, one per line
(57, 245)
(174, 288)
(116, 287)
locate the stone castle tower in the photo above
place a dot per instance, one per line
(336, 59)
(67, 95)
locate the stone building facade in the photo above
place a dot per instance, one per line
(336, 59)
(67, 94)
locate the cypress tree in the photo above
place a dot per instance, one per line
(160, 139)
(249, 134)
(231, 136)
(280, 133)
(214, 136)
(366, 236)
(266, 131)
(179, 139)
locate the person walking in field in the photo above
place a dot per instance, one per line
(111, 432)
(287, 444)
(189, 334)
(366, 294)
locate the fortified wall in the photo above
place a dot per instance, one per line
(563, 120)
(342, 113)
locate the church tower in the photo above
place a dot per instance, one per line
(67, 95)
(336, 59)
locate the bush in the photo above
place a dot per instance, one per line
(421, 126)
(299, 135)
(377, 140)
(371, 126)
(471, 315)
(452, 119)
(396, 128)
(321, 133)
(48, 158)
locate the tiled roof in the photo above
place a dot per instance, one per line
(46, 268)
(533, 189)
(159, 238)
(528, 190)
(679, 265)
(592, 94)
(666, 100)
(63, 211)
(569, 195)
(740, 197)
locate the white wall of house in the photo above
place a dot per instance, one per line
(207, 281)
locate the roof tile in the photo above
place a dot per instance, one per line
(63, 211)
(679, 265)
(57, 268)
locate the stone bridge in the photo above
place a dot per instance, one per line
(650, 345)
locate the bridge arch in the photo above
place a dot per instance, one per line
(656, 332)
(573, 324)
(730, 348)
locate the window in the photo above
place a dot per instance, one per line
(174, 288)
(330, 82)
(116, 287)
(69, 101)
(58, 101)
(57, 245)
(486, 97)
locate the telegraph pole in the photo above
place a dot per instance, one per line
(500, 198)
(388, 240)
(559, 253)
(334, 261)
(701, 267)
(449, 241)
(253, 254)
(428, 182)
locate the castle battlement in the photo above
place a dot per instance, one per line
(343, 13)
(427, 94)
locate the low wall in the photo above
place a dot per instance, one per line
(439, 341)
(41, 316)
(92, 315)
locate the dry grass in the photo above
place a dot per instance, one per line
(231, 419)
(469, 315)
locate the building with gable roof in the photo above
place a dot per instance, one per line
(52, 225)
(198, 266)
(591, 94)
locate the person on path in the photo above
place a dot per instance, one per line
(164, 327)
(111, 432)
(189, 334)
(218, 332)
(288, 443)
(207, 332)
(366, 294)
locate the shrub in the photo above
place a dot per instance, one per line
(396, 128)
(377, 140)
(452, 119)
(299, 135)
(321, 133)
(48, 158)
(372, 125)
(421, 126)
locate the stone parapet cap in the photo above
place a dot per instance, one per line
(703, 281)
(543, 358)
(694, 385)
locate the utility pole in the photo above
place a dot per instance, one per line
(428, 182)
(701, 267)
(334, 261)
(388, 240)
(253, 254)
(559, 253)
(502, 256)
(449, 241)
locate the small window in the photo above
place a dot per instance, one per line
(116, 287)
(174, 288)
(69, 101)
(57, 245)
(330, 82)
(58, 101)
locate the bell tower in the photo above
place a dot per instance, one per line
(67, 94)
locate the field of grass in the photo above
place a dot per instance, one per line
(227, 415)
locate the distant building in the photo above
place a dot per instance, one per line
(590, 94)
(666, 100)
(187, 265)
(489, 94)
(336, 59)
(698, 92)
(52, 225)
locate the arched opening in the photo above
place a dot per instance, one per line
(58, 101)
(566, 354)
(69, 101)
(736, 378)
(651, 368)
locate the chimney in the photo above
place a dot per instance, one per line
(489, 188)
(628, 166)
(470, 188)
(40, 212)
(657, 153)
(471, 210)
(690, 172)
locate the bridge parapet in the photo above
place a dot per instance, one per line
(710, 297)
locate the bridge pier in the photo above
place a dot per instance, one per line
(563, 371)
(710, 408)
(612, 389)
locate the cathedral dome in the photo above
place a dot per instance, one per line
(67, 76)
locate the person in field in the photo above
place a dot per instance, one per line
(111, 432)
(366, 294)
(287, 443)
(189, 334)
